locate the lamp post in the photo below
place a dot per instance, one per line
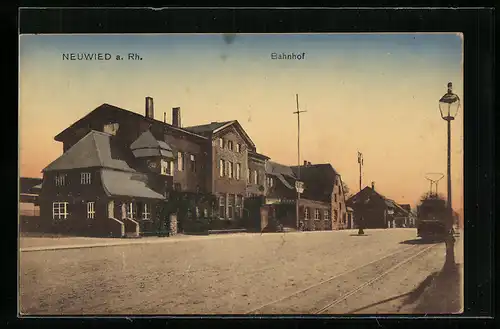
(448, 106)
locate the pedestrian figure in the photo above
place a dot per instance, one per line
(361, 225)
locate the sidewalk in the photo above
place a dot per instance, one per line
(30, 244)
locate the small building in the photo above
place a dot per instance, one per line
(377, 210)
(29, 189)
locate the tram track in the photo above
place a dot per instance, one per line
(324, 295)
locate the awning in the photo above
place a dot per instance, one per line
(120, 183)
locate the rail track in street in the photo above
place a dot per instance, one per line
(321, 298)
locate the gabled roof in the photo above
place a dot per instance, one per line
(208, 128)
(214, 127)
(27, 184)
(146, 145)
(315, 168)
(93, 150)
(319, 180)
(368, 191)
(112, 111)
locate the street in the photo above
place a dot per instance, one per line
(331, 272)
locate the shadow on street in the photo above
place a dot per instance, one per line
(443, 295)
(439, 293)
(421, 241)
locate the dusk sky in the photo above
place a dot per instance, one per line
(376, 93)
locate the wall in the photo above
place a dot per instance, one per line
(312, 224)
(188, 180)
(226, 184)
(260, 167)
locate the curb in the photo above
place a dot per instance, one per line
(125, 243)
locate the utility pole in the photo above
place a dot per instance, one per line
(360, 161)
(298, 160)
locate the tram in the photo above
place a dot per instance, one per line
(431, 218)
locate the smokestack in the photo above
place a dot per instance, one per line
(149, 108)
(373, 186)
(176, 116)
(164, 117)
(305, 163)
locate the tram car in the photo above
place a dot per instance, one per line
(431, 219)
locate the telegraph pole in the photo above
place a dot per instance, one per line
(360, 161)
(298, 159)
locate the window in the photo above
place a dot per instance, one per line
(340, 205)
(60, 180)
(239, 207)
(197, 212)
(230, 170)
(248, 176)
(167, 167)
(230, 145)
(222, 206)
(130, 210)
(85, 178)
(238, 148)
(205, 213)
(306, 213)
(180, 161)
(335, 197)
(317, 214)
(146, 212)
(238, 171)
(326, 215)
(270, 181)
(221, 143)
(59, 210)
(255, 177)
(177, 187)
(221, 168)
(230, 206)
(335, 215)
(193, 163)
(90, 210)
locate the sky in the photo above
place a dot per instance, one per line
(373, 93)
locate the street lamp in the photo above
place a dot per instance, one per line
(449, 105)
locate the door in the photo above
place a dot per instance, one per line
(111, 209)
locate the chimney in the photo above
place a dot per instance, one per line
(373, 186)
(164, 117)
(176, 116)
(305, 163)
(308, 163)
(150, 113)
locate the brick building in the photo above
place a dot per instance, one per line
(118, 167)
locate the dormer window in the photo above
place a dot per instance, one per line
(111, 128)
(60, 179)
(85, 178)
